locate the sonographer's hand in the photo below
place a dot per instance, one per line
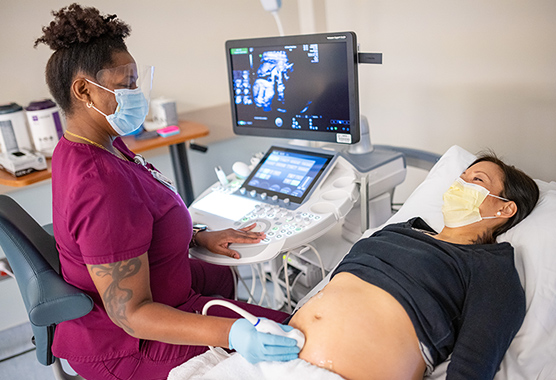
(257, 346)
(218, 241)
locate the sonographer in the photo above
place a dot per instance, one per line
(122, 231)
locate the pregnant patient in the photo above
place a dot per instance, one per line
(345, 335)
(405, 299)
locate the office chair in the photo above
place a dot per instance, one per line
(32, 254)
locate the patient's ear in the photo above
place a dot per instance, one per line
(508, 210)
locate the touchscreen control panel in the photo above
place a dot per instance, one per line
(286, 177)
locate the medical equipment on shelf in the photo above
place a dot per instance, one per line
(14, 134)
(164, 112)
(262, 325)
(45, 124)
(21, 162)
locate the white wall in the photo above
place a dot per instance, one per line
(480, 74)
(183, 39)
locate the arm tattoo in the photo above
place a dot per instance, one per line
(115, 297)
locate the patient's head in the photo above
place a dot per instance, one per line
(513, 185)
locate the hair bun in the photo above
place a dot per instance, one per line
(74, 25)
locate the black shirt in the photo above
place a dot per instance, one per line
(466, 300)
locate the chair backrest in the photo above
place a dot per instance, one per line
(33, 257)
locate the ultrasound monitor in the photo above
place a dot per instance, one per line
(296, 87)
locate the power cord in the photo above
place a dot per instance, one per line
(273, 6)
(17, 355)
(278, 22)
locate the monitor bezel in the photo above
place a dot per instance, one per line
(281, 196)
(349, 39)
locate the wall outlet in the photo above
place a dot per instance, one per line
(4, 264)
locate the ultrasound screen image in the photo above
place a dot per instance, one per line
(296, 87)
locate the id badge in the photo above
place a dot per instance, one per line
(163, 180)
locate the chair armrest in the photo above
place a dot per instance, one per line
(51, 300)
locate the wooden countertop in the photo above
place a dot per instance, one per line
(189, 130)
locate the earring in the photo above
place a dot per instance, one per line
(498, 213)
(90, 104)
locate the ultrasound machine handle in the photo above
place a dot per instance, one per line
(249, 253)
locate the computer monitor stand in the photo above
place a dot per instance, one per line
(364, 145)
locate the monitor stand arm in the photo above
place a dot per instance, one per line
(364, 145)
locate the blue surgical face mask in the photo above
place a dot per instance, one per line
(131, 112)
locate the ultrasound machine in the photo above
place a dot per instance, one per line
(301, 88)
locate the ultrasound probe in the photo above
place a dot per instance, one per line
(262, 325)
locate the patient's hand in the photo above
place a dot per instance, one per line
(218, 241)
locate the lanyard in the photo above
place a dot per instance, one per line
(138, 159)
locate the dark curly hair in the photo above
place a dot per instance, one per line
(83, 40)
(518, 187)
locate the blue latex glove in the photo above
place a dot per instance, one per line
(256, 346)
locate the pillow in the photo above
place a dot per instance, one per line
(426, 199)
(532, 354)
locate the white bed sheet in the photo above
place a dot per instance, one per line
(210, 367)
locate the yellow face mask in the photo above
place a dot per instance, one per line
(462, 202)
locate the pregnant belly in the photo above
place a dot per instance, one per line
(359, 331)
